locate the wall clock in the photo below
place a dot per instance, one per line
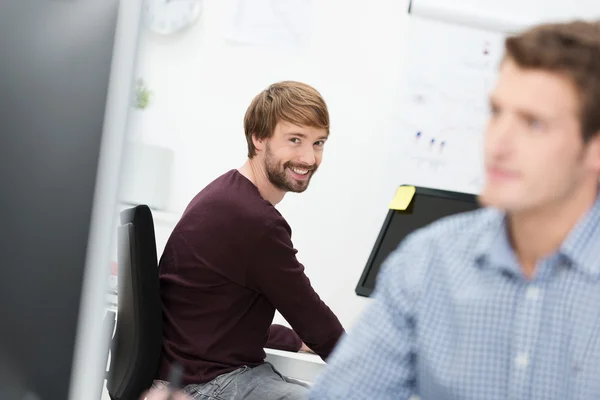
(166, 17)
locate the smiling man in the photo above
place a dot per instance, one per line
(503, 302)
(230, 262)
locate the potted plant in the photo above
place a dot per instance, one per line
(142, 95)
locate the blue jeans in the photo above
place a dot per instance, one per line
(259, 383)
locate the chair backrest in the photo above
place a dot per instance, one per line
(136, 344)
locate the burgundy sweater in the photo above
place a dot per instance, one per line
(227, 266)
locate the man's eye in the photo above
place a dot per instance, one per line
(494, 111)
(320, 143)
(534, 123)
(295, 140)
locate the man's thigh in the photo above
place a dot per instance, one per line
(259, 383)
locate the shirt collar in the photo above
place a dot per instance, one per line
(581, 248)
(493, 249)
(582, 245)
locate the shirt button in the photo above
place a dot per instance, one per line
(522, 361)
(533, 293)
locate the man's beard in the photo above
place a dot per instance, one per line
(277, 174)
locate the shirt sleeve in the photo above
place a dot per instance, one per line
(283, 338)
(275, 272)
(376, 359)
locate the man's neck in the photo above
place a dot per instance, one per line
(257, 174)
(539, 233)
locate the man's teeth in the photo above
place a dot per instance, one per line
(300, 171)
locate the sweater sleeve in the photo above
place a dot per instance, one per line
(283, 338)
(275, 272)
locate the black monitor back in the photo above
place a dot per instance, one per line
(55, 63)
(427, 206)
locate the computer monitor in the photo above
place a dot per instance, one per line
(427, 206)
(66, 78)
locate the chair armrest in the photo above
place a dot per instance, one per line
(109, 322)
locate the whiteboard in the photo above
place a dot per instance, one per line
(450, 71)
(505, 15)
(453, 52)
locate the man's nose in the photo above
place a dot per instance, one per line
(500, 136)
(307, 157)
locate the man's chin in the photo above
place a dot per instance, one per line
(490, 197)
(298, 188)
(291, 186)
(499, 199)
(296, 185)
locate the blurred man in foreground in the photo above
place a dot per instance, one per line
(504, 302)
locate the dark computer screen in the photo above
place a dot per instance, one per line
(55, 64)
(427, 206)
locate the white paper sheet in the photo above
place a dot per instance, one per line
(272, 23)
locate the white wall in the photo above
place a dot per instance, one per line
(202, 86)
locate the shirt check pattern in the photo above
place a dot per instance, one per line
(454, 318)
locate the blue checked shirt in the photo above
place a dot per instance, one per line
(454, 318)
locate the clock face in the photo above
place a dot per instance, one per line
(170, 16)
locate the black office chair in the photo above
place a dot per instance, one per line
(136, 344)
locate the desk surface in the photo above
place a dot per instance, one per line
(302, 366)
(306, 357)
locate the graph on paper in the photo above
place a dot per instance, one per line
(444, 109)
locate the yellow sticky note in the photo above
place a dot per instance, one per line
(402, 198)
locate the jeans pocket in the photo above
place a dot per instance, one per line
(223, 381)
(275, 370)
(213, 389)
(288, 379)
(200, 392)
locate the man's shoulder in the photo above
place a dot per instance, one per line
(453, 237)
(232, 197)
(442, 248)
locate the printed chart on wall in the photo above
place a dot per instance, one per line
(450, 71)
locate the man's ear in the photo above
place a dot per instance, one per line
(259, 144)
(594, 152)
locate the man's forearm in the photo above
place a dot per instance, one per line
(283, 338)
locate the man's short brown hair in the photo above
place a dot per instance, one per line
(571, 49)
(293, 102)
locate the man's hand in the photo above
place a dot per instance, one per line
(306, 349)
